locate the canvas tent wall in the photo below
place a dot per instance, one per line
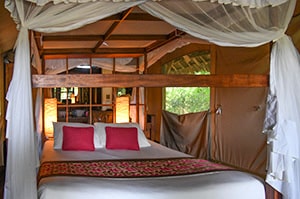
(239, 125)
(235, 131)
(258, 33)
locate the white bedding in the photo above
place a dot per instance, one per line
(211, 185)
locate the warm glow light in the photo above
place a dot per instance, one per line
(72, 98)
(50, 115)
(122, 109)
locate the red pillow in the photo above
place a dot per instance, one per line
(122, 138)
(78, 138)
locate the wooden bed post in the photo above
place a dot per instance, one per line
(137, 94)
(271, 193)
(212, 99)
(145, 98)
(113, 99)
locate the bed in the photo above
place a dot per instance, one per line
(112, 170)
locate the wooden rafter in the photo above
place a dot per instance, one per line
(112, 28)
(170, 37)
(101, 37)
(134, 17)
(38, 40)
(156, 40)
(103, 51)
(297, 9)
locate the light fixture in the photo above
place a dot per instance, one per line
(122, 109)
(72, 98)
(50, 115)
(83, 66)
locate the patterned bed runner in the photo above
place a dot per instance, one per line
(129, 168)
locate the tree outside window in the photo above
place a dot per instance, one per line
(183, 100)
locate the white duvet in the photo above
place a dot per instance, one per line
(211, 185)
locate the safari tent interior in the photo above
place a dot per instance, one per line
(249, 49)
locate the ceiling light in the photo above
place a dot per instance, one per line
(83, 66)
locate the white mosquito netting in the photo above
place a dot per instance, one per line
(245, 23)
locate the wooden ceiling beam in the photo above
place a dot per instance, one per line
(138, 37)
(38, 39)
(65, 56)
(101, 37)
(119, 50)
(113, 27)
(173, 35)
(69, 51)
(297, 9)
(47, 38)
(133, 17)
(149, 80)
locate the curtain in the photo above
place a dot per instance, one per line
(187, 133)
(21, 151)
(250, 3)
(222, 24)
(37, 63)
(22, 148)
(225, 25)
(283, 127)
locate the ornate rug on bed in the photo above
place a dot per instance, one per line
(129, 168)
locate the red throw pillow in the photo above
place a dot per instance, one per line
(78, 138)
(122, 138)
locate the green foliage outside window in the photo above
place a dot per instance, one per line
(187, 100)
(183, 100)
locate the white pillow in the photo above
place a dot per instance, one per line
(58, 133)
(100, 131)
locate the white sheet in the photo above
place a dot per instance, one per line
(212, 185)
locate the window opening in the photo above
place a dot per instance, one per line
(183, 100)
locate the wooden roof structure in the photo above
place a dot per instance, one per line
(129, 33)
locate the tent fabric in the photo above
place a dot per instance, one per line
(239, 125)
(238, 129)
(187, 133)
(243, 60)
(225, 25)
